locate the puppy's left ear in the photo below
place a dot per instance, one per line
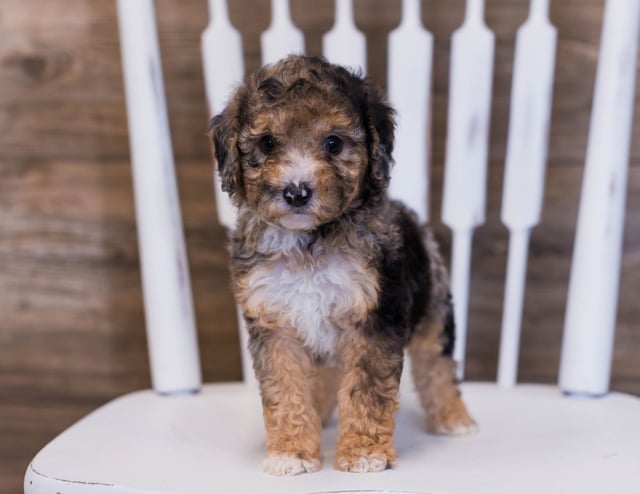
(379, 121)
(225, 129)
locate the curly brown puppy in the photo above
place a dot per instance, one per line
(328, 270)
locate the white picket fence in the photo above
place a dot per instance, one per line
(588, 335)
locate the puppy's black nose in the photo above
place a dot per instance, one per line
(297, 195)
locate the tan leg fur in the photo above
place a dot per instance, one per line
(367, 402)
(434, 378)
(285, 371)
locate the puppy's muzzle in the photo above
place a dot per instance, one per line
(297, 195)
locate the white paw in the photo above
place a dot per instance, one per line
(363, 464)
(285, 466)
(463, 429)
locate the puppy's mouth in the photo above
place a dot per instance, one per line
(297, 221)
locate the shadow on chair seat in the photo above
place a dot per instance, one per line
(531, 439)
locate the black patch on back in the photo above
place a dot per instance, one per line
(405, 282)
(449, 331)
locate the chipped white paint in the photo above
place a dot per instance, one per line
(409, 86)
(282, 38)
(171, 332)
(593, 288)
(344, 44)
(523, 187)
(223, 67)
(464, 195)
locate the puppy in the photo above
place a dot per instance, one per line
(330, 272)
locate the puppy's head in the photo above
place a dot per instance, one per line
(304, 141)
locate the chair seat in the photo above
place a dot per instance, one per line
(531, 439)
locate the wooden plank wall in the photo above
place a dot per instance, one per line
(71, 318)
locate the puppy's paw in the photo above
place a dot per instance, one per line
(463, 428)
(453, 419)
(362, 460)
(287, 465)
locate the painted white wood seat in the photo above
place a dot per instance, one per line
(531, 440)
(185, 438)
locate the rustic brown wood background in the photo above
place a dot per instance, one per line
(71, 318)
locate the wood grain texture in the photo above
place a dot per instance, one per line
(71, 317)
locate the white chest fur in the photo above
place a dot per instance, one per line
(317, 295)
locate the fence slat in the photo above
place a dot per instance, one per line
(344, 44)
(590, 319)
(409, 85)
(282, 37)
(223, 70)
(171, 331)
(464, 196)
(523, 188)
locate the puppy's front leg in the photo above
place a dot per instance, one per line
(367, 402)
(285, 371)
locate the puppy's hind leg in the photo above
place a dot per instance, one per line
(433, 372)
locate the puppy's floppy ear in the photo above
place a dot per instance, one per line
(225, 130)
(379, 122)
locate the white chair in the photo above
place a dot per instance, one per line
(182, 437)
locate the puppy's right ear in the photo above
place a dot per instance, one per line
(225, 130)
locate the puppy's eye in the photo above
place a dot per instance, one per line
(267, 143)
(332, 144)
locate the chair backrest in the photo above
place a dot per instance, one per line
(588, 336)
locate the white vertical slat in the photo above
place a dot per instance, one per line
(344, 44)
(523, 188)
(513, 304)
(463, 206)
(223, 65)
(593, 288)
(171, 332)
(409, 83)
(282, 37)
(223, 62)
